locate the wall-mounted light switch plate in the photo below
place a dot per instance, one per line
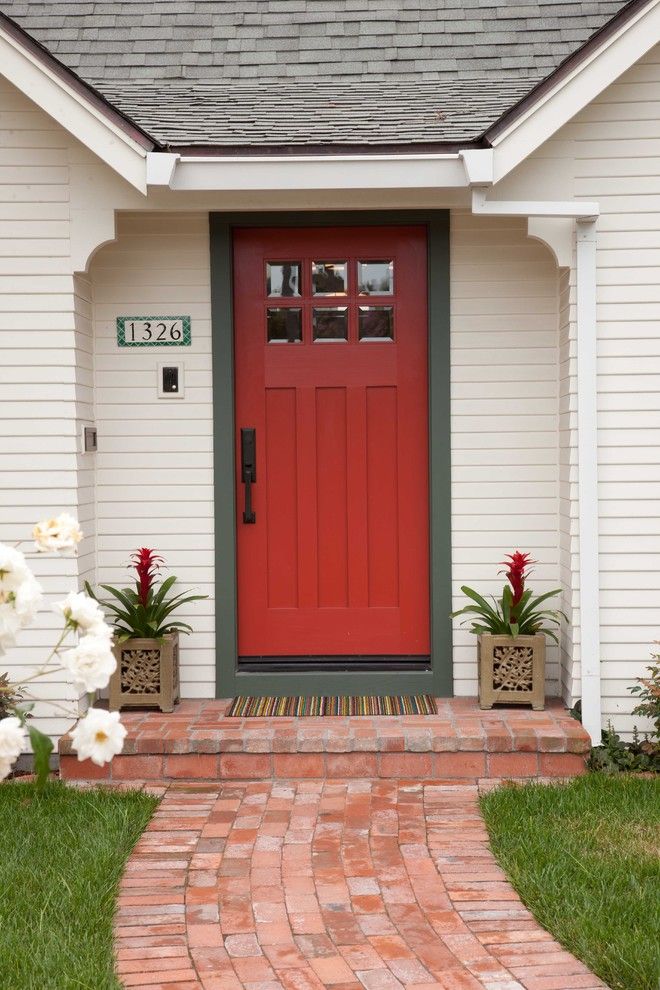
(88, 439)
(170, 380)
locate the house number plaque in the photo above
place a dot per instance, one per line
(153, 331)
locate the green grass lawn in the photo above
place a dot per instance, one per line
(61, 857)
(584, 857)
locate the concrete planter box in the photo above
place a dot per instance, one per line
(512, 671)
(147, 673)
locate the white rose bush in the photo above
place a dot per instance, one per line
(83, 651)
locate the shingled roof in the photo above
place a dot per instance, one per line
(303, 73)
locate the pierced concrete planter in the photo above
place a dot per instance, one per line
(512, 671)
(147, 673)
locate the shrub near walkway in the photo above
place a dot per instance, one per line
(61, 857)
(584, 857)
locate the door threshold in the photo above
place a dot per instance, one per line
(345, 664)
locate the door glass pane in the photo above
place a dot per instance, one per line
(375, 278)
(330, 324)
(283, 278)
(284, 325)
(329, 278)
(376, 322)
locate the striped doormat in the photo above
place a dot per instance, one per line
(246, 706)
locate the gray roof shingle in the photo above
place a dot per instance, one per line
(304, 72)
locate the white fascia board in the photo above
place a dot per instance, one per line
(572, 208)
(312, 172)
(70, 109)
(555, 108)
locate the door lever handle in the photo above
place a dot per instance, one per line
(248, 469)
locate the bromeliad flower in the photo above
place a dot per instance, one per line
(516, 572)
(517, 612)
(145, 612)
(147, 565)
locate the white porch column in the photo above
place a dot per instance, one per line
(587, 428)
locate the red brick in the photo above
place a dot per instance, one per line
(192, 766)
(73, 769)
(415, 765)
(460, 764)
(351, 765)
(137, 768)
(498, 742)
(525, 742)
(245, 766)
(298, 765)
(513, 765)
(561, 764)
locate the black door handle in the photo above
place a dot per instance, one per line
(248, 469)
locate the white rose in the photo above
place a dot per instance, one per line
(98, 736)
(10, 624)
(5, 767)
(83, 613)
(28, 599)
(12, 738)
(91, 662)
(13, 571)
(60, 533)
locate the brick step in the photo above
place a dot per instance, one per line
(198, 742)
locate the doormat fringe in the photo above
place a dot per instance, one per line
(246, 706)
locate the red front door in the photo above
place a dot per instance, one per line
(331, 375)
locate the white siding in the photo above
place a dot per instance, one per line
(154, 467)
(41, 391)
(504, 315)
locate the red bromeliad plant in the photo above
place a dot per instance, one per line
(143, 612)
(147, 564)
(517, 612)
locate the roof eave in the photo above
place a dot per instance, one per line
(574, 84)
(328, 149)
(78, 85)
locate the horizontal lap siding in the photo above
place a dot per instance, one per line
(617, 161)
(40, 391)
(504, 417)
(154, 467)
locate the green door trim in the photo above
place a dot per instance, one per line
(229, 681)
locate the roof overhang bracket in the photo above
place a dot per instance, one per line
(161, 167)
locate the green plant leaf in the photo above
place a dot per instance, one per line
(164, 588)
(42, 747)
(533, 603)
(183, 626)
(476, 597)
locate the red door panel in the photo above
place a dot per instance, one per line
(331, 372)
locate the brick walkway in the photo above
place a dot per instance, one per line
(347, 885)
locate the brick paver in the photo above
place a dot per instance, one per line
(461, 741)
(357, 884)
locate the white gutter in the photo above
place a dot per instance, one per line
(276, 173)
(586, 215)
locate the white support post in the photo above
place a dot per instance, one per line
(587, 428)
